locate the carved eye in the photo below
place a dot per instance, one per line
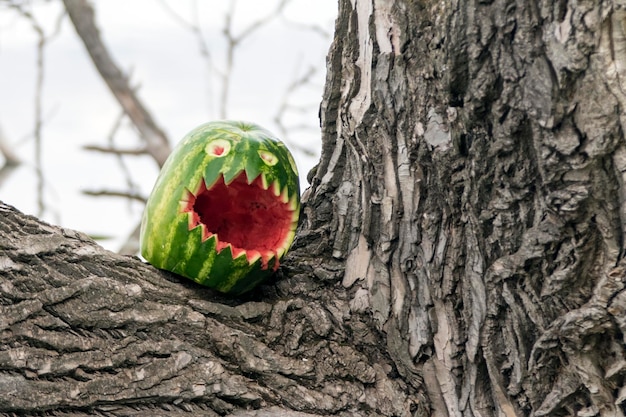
(268, 157)
(218, 148)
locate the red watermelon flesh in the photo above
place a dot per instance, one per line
(246, 217)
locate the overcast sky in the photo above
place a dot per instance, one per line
(149, 40)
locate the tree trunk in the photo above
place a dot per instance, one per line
(460, 252)
(472, 183)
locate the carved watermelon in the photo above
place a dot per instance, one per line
(224, 209)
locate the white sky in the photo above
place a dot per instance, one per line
(174, 81)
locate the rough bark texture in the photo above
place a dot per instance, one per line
(460, 252)
(472, 181)
(85, 331)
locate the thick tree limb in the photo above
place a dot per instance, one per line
(86, 331)
(82, 16)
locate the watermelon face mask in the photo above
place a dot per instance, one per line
(225, 207)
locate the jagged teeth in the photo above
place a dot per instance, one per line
(293, 203)
(240, 254)
(190, 221)
(253, 256)
(264, 182)
(276, 188)
(290, 236)
(284, 196)
(187, 196)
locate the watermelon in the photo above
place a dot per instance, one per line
(225, 207)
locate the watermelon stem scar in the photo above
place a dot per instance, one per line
(249, 218)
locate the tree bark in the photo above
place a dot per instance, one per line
(85, 331)
(460, 254)
(472, 184)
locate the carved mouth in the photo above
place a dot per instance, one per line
(255, 219)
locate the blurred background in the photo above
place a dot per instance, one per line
(72, 156)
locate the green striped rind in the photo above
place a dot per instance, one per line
(167, 242)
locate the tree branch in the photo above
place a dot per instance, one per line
(194, 27)
(116, 151)
(110, 193)
(256, 25)
(86, 331)
(42, 41)
(285, 107)
(82, 16)
(232, 42)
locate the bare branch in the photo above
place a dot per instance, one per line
(233, 41)
(116, 151)
(230, 57)
(286, 107)
(194, 27)
(110, 193)
(319, 29)
(131, 246)
(38, 119)
(82, 16)
(43, 39)
(259, 23)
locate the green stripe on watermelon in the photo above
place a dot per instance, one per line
(163, 221)
(191, 264)
(213, 171)
(181, 168)
(207, 262)
(240, 146)
(178, 166)
(252, 169)
(179, 256)
(232, 270)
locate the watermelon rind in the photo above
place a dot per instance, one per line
(172, 238)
